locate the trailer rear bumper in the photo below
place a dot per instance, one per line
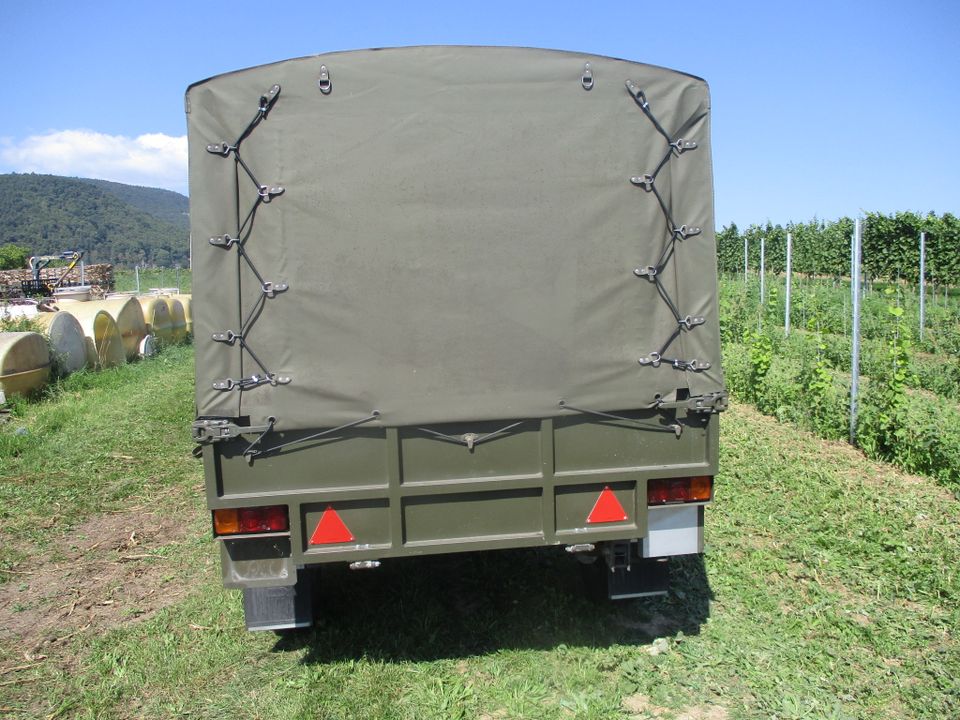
(380, 493)
(261, 562)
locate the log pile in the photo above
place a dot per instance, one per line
(99, 276)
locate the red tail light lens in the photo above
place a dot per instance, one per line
(658, 492)
(680, 490)
(275, 518)
(250, 520)
(676, 490)
(241, 521)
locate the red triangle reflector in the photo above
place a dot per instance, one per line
(607, 509)
(330, 529)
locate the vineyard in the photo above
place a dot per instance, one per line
(910, 387)
(890, 248)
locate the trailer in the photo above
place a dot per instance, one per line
(450, 299)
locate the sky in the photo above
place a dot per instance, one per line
(819, 109)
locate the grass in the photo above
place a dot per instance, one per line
(126, 280)
(829, 590)
(95, 441)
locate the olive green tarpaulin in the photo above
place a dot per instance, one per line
(458, 232)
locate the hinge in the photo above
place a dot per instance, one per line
(210, 430)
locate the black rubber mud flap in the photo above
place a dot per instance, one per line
(624, 574)
(280, 608)
(645, 578)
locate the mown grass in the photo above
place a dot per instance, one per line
(828, 590)
(93, 441)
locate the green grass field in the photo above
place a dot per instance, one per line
(829, 589)
(126, 280)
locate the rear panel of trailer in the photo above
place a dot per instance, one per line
(457, 296)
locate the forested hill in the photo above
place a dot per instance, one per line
(111, 222)
(167, 205)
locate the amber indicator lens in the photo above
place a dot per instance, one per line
(226, 522)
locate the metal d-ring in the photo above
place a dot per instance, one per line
(586, 80)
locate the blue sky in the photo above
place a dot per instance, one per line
(819, 108)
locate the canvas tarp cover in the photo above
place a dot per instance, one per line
(458, 232)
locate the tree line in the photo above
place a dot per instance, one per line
(891, 247)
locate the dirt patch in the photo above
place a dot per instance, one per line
(703, 712)
(640, 706)
(113, 568)
(495, 715)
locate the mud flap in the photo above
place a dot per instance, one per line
(644, 578)
(280, 608)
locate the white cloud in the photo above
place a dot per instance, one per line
(153, 159)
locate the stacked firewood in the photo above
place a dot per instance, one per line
(98, 276)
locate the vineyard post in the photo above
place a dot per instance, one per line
(786, 317)
(763, 269)
(746, 248)
(923, 264)
(136, 273)
(855, 250)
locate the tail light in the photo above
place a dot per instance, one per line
(241, 521)
(679, 490)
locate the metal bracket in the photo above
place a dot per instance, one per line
(223, 241)
(653, 359)
(685, 231)
(649, 272)
(229, 337)
(680, 146)
(691, 322)
(271, 289)
(221, 148)
(644, 181)
(209, 430)
(269, 98)
(269, 192)
(692, 365)
(637, 94)
(471, 439)
(586, 79)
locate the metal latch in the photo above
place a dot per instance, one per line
(710, 403)
(209, 430)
